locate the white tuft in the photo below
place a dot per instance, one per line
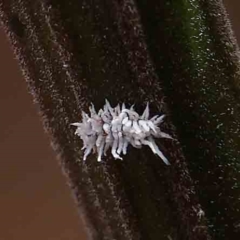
(118, 127)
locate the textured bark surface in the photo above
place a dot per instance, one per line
(181, 57)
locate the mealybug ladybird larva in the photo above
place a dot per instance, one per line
(118, 127)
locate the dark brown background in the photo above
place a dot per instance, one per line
(35, 202)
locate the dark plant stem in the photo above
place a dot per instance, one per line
(181, 57)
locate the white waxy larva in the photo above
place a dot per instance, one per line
(118, 127)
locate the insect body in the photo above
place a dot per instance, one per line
(118, 127)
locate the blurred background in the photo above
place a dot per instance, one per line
(35, 202)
